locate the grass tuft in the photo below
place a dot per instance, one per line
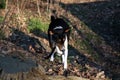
(37, 25)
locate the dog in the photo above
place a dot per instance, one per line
(58, 35)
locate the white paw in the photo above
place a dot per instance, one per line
(52, 59)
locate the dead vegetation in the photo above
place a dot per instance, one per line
(93, 53)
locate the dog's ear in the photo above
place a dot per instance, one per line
(67, 30)
(51, 33)
(53, 18)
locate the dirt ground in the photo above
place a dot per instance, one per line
(95, 22)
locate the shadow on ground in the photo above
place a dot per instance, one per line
(79, 57)
(26, 42)
(103, 18)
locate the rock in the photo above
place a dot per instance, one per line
(13, 68)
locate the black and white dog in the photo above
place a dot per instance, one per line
(58, 34)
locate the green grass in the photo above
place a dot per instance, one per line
(1, 19)
(37, 25)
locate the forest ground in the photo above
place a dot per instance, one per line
(94, 49)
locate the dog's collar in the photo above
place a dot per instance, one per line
(58, 27)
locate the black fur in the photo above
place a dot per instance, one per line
(58, 35)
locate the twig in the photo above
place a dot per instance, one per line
(6, 7)
(38, 8)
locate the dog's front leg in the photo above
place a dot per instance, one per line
(52, 57)
(65, 56)
(65, 63)
(52, 54)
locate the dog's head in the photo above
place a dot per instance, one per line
(58, 29)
